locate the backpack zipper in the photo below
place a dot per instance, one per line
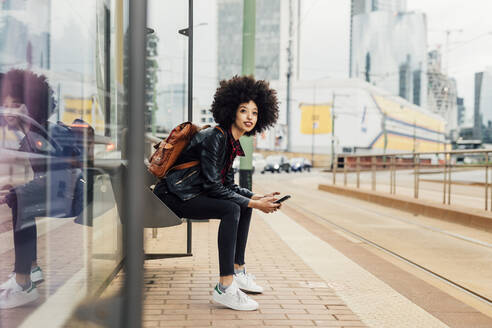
(186, 177)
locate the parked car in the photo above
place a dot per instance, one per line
(277, 163)
(299, 164)
(258, 163)
(307, 165)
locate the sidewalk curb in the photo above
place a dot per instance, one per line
(469, 217)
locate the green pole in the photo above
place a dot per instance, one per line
(248, 68)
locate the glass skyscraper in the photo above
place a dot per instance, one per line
(390, 51)
(483, 106)
(230, 31)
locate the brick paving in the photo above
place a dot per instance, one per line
(178, 291)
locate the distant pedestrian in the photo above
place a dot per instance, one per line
(241, 106)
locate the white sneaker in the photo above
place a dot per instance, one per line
(10, 283)
(246, 282)
(14, 296)
(234, 298)
(36, 277)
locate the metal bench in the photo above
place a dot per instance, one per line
(156, 213)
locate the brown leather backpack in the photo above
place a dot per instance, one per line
(168, 151)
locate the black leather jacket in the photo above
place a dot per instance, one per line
(209, 146)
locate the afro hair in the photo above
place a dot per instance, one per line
(32, 90)
(241, 89)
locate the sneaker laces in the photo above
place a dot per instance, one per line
(250, 276)
(242, 297)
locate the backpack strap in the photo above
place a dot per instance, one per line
(185, 165)
(192, 163)
(220, 129)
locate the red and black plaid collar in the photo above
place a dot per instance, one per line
(237, 150)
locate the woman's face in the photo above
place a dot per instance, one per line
(13, 105)
(246, 116)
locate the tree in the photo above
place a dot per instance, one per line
(151, 79)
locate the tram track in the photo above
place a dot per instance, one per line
(299, 206)
(401, 257)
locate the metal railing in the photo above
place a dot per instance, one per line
(443, 161)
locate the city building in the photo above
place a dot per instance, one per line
(460, 102)
(366, 6)
(442, 94)
(389, 50)
(367, 120)
(267, 41)
(272, 35)
(482, 115)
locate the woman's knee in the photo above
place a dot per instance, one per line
(233, 210)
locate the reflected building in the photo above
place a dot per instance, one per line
(388, 47)
(483, 106)
(24, 44)
(172, 102)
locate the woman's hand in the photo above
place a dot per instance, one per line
(272, 194)
(264, 204)
(260, 196)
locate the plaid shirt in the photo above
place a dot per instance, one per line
(234, 149)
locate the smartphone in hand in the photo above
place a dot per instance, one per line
(278, 201)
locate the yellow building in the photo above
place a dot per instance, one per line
(87, 109)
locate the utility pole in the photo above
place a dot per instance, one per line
(248, 68)
(314, 124)
(333, 132)
(333, 117)
(289, 73)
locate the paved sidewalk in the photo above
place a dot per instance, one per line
(178, 291)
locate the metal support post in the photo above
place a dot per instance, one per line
(417, 176)
(357, 168)
(289, 73)
(133, 208)
(334, 170)
(444, 179)
(333, 159)
(373, 169)
(391, 175)
(486, 180)
(248, 68)
(450, 167)
(188, 237)
(345, 170)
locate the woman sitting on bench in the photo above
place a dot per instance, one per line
(241, 106)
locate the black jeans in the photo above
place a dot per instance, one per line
(233, 228)
(25, 241)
